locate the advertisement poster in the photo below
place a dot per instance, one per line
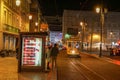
(31, 51)
(55, 36)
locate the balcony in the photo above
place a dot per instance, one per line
(9, 28)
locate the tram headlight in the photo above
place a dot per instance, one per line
(73, 51)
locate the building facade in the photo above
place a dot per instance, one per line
(13, 19)
(36, 13)
(92, 23)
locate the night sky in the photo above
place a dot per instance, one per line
(56, 7)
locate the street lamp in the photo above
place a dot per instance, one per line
(79, 38)
(30, 18)
(36, 23)
(18, 2)
(111, 33)
(102, 11)
(36, 27)
(83, 30)
(79, 35)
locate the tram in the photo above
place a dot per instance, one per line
(73, 48)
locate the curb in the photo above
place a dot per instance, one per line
(117, 62)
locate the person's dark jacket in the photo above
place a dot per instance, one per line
(54, 51)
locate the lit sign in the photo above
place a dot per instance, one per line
(31, 51)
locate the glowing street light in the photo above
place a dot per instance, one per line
(81, 23)
(36, 27)
(97, 10)
(111, 33)
(18, 2)
(30, 17)
(36, 23)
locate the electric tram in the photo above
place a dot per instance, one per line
(73, 47)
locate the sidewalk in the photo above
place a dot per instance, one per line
(8, 71)
(107, 57)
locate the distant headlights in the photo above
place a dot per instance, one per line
(73, 52)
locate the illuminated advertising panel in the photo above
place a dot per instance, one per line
(31, 51)
(55, 36)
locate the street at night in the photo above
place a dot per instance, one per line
(87, 67)
(59, 40)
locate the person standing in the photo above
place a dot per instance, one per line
(17, 50)
(48, 49)
(54, 53)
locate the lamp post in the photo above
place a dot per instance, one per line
(79, 38)
(30, 18)
(36, 27)
(83, 30)
(18, 2)
(102, 11)
(111, 33)
(91, 40)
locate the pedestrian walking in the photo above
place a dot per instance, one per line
(54, 53)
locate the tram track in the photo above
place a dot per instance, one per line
(79, 71)
(83, 70)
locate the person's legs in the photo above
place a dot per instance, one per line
(48, 65)
(52, 62)
(55, 62)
